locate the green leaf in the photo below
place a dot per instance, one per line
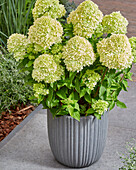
(77, 85)
(90, 111)
(83, 92)
(74, 114)
(88, 91)
(40, 98)
(118, 73)
(121, 104)
(49, 98)
(102, 91)
(88, 98)
(62, 93)
(30, 63)
(77, 106)
(54, 103)
(125, 83)
(98, 116)
(129, 76)
(54, 111)
(62, 113)
(112, 105)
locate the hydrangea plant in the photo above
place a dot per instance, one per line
(78, 64)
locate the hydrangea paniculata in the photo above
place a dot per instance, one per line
(78, 53)
(85, 19)
(45, 32)
(100, 106)
(115, 23)
(46, 69)
(50, 8)
(132, 41)
(40, 89)
(17, 44)
(115, 52)
(90, 79)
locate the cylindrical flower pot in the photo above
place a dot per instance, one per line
(77, 144)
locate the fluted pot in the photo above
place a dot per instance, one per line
(77, 144)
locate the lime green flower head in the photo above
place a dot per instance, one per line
(85, 19)
(50, 8)
(90, 79)
(40, 89)
(100, 106)
(115, 52)
(77, 54)
(115, 23)
(46, 69)
(45, 32)
(17, 44)
(132, 41)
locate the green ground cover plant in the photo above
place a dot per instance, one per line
(129, 158)
(12, 85)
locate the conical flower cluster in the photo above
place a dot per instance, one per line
(115, 52)
(46, 69)
(77, 54)
(85, 19)
(50, 8)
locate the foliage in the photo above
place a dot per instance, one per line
(129, 158)
(12, 86)
(70, 75)
(132, 41)
(15, 17)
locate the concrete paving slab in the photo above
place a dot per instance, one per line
(29, 148)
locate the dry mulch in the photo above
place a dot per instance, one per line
(9, 120)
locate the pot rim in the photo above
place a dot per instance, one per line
(81, 117)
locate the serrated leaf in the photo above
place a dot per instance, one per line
(121, 104)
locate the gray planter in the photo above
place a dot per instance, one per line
(77, 144)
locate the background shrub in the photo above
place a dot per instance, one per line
(12, 85)
(129, 158)
(15, 17)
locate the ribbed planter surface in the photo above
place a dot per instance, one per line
(77, 144)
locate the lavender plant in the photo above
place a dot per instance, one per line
(77, 67)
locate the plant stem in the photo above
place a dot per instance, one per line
(101, 82)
